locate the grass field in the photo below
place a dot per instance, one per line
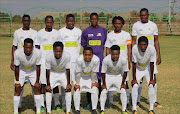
(168, 80)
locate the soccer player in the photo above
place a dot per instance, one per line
(46, 37)
(86, 78)
(143, 60)
(58, 72)
(27, 63)
(114, 73)
(71, 38)
(18, 42)
(122, 39)
(147, 28)
(95, 37)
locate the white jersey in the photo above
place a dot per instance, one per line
(145, 29)
(71, 40)
(27, 64)
(58, 65)
(118, 67)
(142, 59)
(87, 67)
(20, 35)
(46, 40)
(121, 39)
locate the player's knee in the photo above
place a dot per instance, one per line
(17, 91)
(56, 90)
(42, 89)
(36, 90)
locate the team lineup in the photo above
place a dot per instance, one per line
(49, 58)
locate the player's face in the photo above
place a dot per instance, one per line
(58, 52)
(144, 16)
(70, 22)
(118, 25)
(88, 55)
(49, 23)
(28, 47)
(26, 22)
(143, 46)
(94, 20)
(115, 55)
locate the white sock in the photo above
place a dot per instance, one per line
(139, 93)
(33, 97)
(68, 101)
(77, 98)
(155, 93)
(16, 103)
(48, 101)
(103, 98)
(94, 97)
(21, 95)
(42, 99)
(38, 105)
(151, 96)
(63, 95)
(128, 95)
(56, 99)
(111, 95)
(134, 96)
(123, 99)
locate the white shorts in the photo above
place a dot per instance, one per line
(58, 78)
(143, 73)
(113, 82)
(43, 72)
(85, 84)
(73, 71)
(28, 77)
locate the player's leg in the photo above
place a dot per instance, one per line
(94, 98)
(156, 103)
(110, 96)
(21, 95)
(48, 100)
(139, 94)
(77, 97)
(103, 98)
(123, 98)
(56, 98)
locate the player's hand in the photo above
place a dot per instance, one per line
(68, 88)
(18, 88)
(123, 86)
(103, 87)
(76, 87)
(48, 88)
(37, 84)
(133, 82)
(158, 62)
(12, 66)
(151, 82)
(94, 84)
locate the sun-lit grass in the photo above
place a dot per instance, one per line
(168, 80)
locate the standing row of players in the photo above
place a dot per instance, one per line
(72, 39)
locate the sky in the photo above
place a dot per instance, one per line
(19, 6)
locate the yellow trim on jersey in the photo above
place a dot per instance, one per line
(86, 73)
(149, 37)
(94, 42)
(122, 47)
(113, 71)
(22, 44)
(28, 67)
(71, 44)
(143, 64)
(48, 47)
(57, 69)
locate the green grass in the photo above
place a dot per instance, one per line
(168, 80)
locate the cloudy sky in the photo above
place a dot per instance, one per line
(19, 6)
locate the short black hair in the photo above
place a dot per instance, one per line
(49, 16)
(94, 13)
(142, 39)
(88, 48)
(115, 47)
(26, 15)
(58, 43)
(28, 40)
(69, 15)
(144, 9)
(118, 18)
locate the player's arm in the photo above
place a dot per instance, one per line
(48, 87)
(134, 81)
(37, 84)
(37, 46)
(17, 73)
(69, 86)
(83, 39)
(18, 87)
(104, 81)
(12, 57)
(156, 44)
(152, 74)
(129, 46)
(123, 80)
(134, 40)
(108, 51)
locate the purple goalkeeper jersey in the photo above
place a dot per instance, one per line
(95, 38)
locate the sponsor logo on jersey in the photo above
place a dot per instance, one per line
(30, 36)
(99, 34)
(90, 35)
(53, 38)
(33, 60)
(44, 39)
(75, 35)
